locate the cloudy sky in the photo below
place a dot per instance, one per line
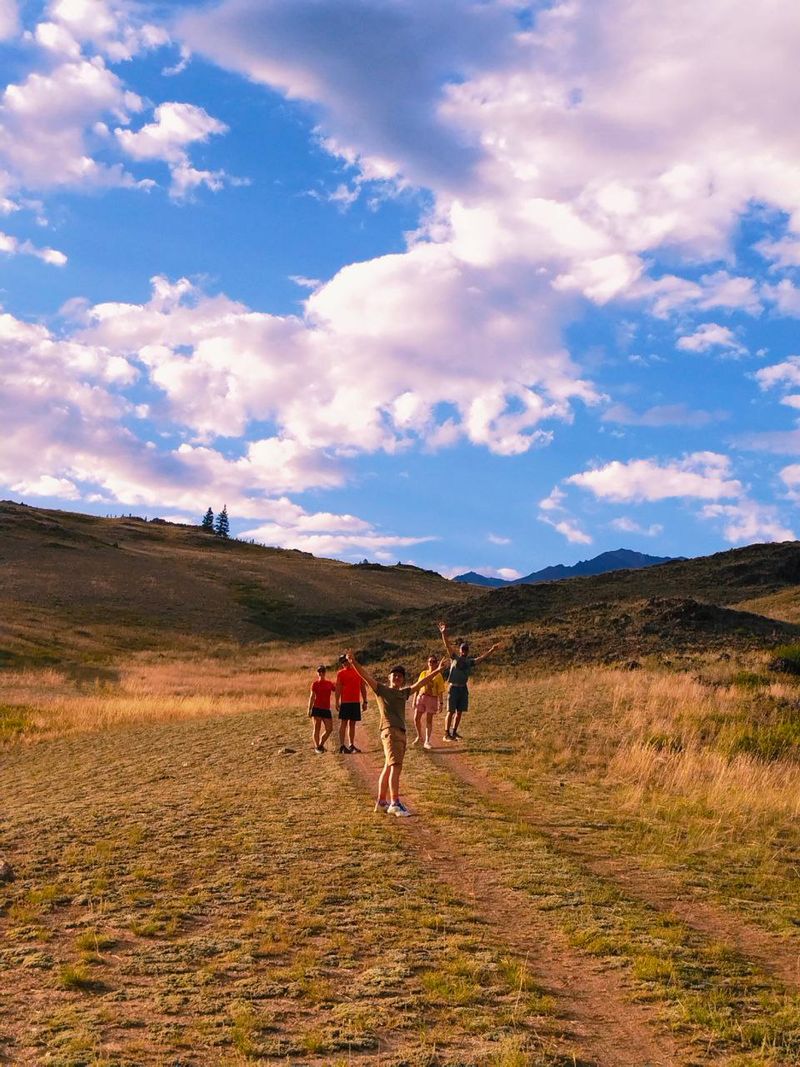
(470, 284)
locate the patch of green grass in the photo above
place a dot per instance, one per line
(770, 741)
(14, 720)
(76, 977)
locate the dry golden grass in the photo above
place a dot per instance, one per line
(53, 702)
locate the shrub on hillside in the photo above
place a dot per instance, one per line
(786, 659)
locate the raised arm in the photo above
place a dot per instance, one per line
(448, 644)
(485, 655)
(368, 678)
(424, 681)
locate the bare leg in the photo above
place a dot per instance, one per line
(394, 783)
(456, 722)
(352, 725)
(383, 782)
(418, 713)
(448, 726)
(315, 730)
(428, 728)
(328, 725)
(343, 732)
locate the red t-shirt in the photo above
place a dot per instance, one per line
(322, 690)
(349, 681)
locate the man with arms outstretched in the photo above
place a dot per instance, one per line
(392, 704)
(461, 666)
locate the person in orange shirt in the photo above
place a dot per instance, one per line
(428, 701)
(351, 699)
(319, 709)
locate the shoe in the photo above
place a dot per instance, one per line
(382, 805)
(398, 808)
(344, 750)
(447, 737)
(427, 746)
(353, 749)
(319, 749)
(456, 737)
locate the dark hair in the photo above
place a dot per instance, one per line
(322, 667)
(343, 659)
(399, 669)
(463, 644)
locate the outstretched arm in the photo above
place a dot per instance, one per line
(448, 644)
(368, 678)
(424, 681)
(485, 655)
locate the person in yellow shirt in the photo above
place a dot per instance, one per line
(428, 701)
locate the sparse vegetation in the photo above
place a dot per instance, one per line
(181, 855)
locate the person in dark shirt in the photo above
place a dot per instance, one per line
(392, 704)
(461, 666)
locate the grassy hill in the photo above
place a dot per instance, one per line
(604, 872)
(81, 586)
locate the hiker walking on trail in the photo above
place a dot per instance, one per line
(461, 666)
(319, 709)
(428, 701)
(392, 703)
(351, 698)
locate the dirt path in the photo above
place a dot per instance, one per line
(774, 954)
(609, 1028)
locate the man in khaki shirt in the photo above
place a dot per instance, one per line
(392, 705)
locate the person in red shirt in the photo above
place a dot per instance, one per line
(319, 709)
(351, 698)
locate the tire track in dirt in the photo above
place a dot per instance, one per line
(772, 953)
(610, 1029)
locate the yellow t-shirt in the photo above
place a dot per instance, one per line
(434, 688)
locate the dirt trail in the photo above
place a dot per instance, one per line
(609, 1028)
(775, 955)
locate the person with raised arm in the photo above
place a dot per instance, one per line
(461, 666)
(427, 702)
(392, 705)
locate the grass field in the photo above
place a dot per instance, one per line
(603, 872)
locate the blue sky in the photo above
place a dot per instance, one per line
(474, 285)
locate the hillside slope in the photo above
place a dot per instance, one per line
(682, 606)
(79, 584)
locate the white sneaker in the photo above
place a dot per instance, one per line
(397, 807)
(427, 746)
(382, 805)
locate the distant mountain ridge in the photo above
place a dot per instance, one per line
(616, 560)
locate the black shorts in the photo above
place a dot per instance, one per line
(350, 711)
(319, 713)
(458, 698)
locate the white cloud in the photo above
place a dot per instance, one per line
(628, 525)
(783, 253)
(787, 372)
(702, 475)
(176, 125)
(748, 522)
(711, 335)
(496, 539)
(9, 19)
(568, 528)
(45, 485)
(786, 297)
(12, 246)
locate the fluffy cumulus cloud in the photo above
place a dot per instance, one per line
(55, 121)
(355, 371)
(700, 475)
(567, 160)
(749, 521)
(174, 127)
(711, 335)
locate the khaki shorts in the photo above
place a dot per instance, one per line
(394, 746)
